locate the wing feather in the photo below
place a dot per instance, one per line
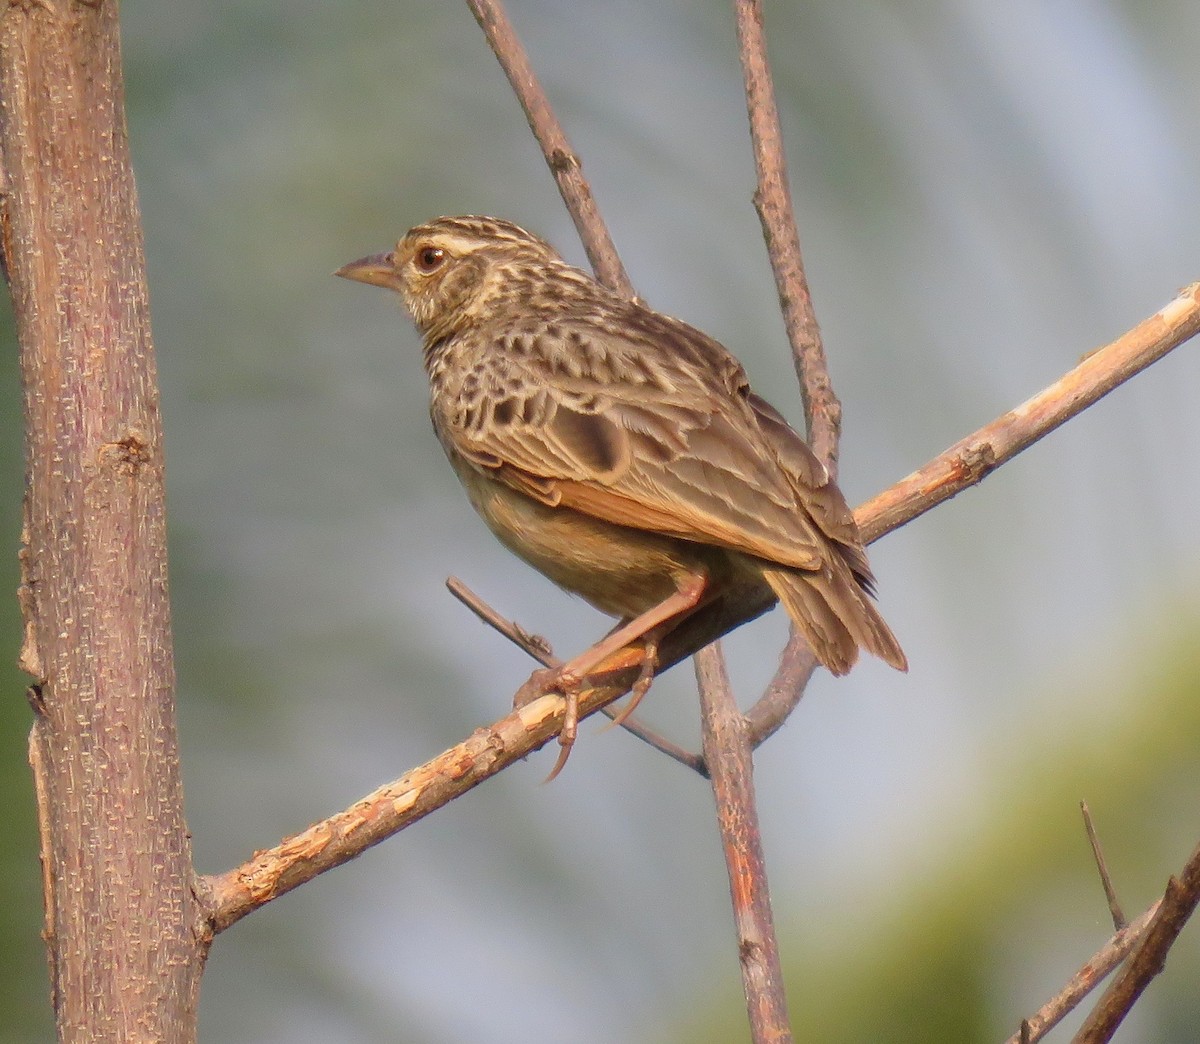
(652, 427)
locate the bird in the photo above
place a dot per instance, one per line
(621, 452)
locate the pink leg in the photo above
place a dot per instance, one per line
(678, 604)
(568, 678)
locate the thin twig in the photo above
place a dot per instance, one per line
(773, 201)
(1148, 958)
(636, 727)
(822, 411)
(563, 161)
(533, 644)
(730, 759)
(391, 808)
(537, 647)
(1083, 981)
(1110, 893)
(796, 667)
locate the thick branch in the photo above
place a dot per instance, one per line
(125, 956)
(393, 807)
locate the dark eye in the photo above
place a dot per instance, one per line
(429, 258)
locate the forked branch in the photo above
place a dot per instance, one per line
(1148, 957)
(1086, 979)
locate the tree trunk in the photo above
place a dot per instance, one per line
(126, 948)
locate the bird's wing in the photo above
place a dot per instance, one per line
(653, 428)
(821, 496)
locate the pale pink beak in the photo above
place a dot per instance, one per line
(376, 269)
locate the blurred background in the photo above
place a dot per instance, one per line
(985, 192)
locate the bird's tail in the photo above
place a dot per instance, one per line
(836, 616)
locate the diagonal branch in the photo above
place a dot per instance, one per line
(268, 874)
(1110, 891)
(773, 201)
(972, 459)
(390, 808)
(796, 666)
(563, 161)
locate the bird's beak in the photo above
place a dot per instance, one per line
(376, 269)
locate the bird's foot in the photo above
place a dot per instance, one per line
(567, 682)
(568, 685)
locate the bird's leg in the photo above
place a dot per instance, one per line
(679, 604)
(568, 679)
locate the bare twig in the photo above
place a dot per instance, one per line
(773, 201)
(822, 411)
(659, 742)
(564, 163)
(1110, 893)
(796, 667)
(730, 759)
(1148, 957)
(1083, 981)
(533, 644)
(238, 891)
(969, 461)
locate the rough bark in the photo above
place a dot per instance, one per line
(125, 958)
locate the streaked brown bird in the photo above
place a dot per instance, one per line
(621, 452)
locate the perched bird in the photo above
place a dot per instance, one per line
(619, 451)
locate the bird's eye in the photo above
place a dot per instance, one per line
(430, 258)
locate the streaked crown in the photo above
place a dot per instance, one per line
(455, 272)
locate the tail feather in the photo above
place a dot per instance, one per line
(836, 615)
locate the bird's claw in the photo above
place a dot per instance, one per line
(548, 680)
(640, 687)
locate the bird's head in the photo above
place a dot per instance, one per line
(453, 270)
